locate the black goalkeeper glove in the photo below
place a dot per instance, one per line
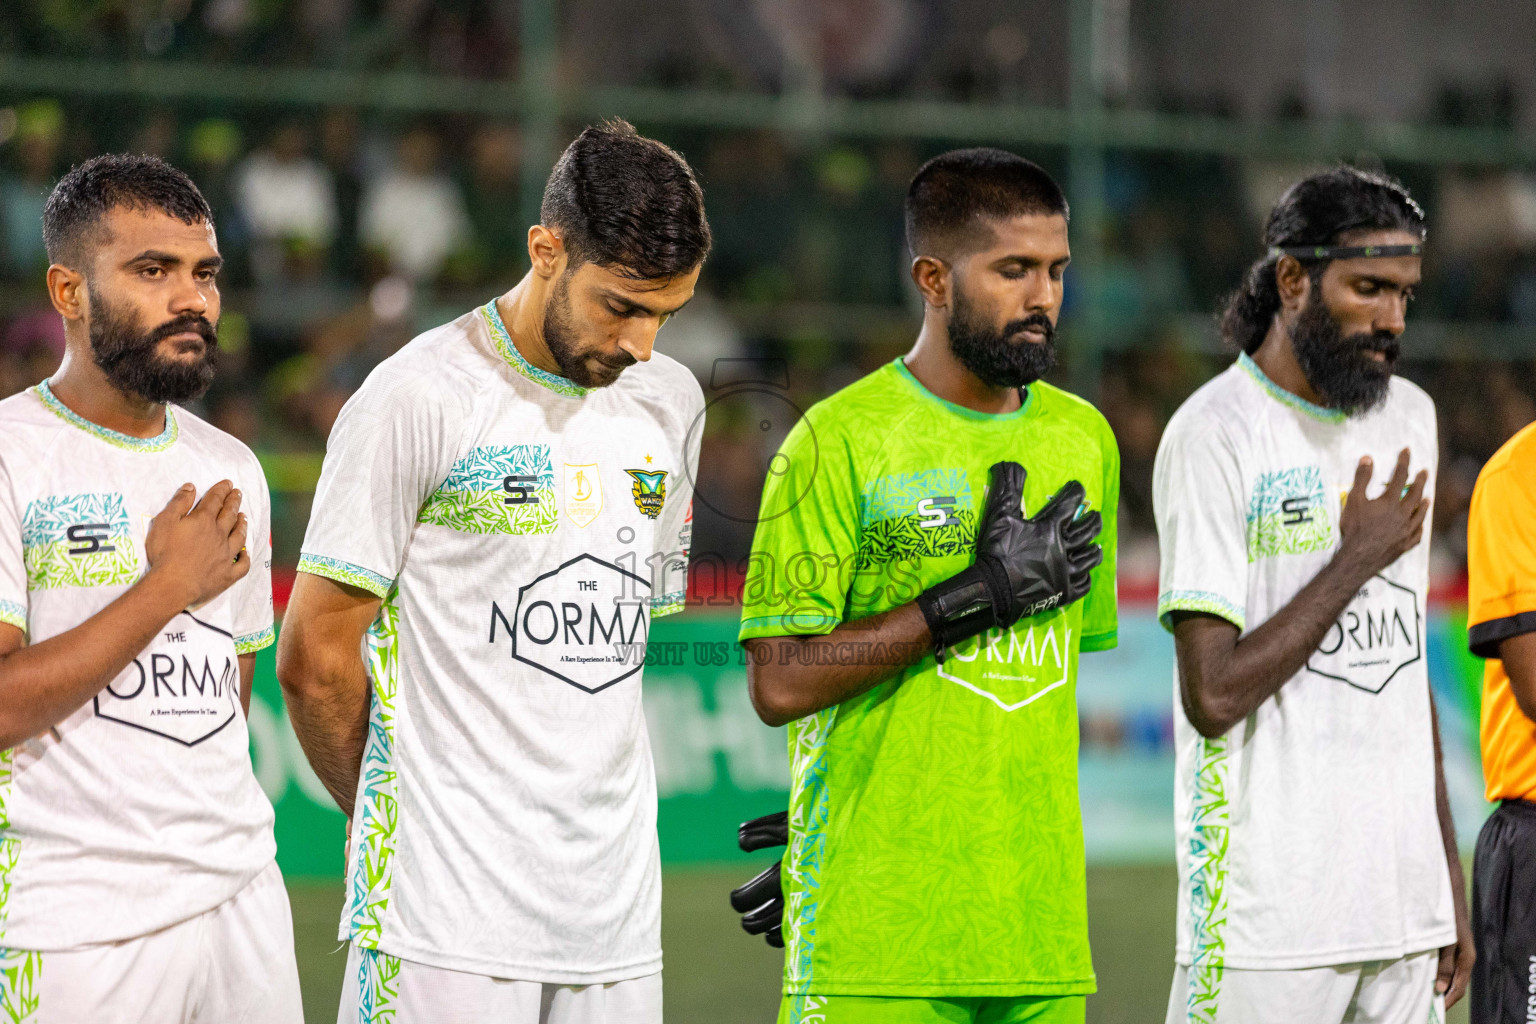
(1023, 566)
(760, 902)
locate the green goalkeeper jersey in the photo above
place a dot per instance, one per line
(936, 842)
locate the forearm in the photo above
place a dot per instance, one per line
(1223, 687)
(328, 708)
(44, 683)
(790, 677)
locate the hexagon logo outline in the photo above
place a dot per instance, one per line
(1066, 668)
(1417, 638)
(228, 717)
(517, 619)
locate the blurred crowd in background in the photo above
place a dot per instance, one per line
(346, 232)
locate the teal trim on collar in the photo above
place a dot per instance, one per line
(1285, 397)
(159, 443)
(514, 358)
(1023, 410)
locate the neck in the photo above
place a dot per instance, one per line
(1277, 358)
(933, 363)
(522, 310)
(84, 389)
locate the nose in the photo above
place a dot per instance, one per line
(638, 344)
(1392, 316)
(1041, 294)
(189, 298)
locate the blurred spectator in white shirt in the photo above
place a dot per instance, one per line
(288, 202)
(414, 213)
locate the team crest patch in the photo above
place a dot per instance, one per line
(583, 493)
(650, 490)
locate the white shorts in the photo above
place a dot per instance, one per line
(384, 989)
(1381, 992)
(233, 964)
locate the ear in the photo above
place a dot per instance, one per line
(933, 278)
(67, 292)
(1293, 283)
(546, 251)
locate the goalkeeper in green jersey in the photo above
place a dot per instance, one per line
(936, 545)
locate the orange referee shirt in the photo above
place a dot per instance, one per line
(1501, 599)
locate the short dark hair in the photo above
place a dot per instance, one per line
(84, 195)
(627, 203)
(955, 193)
(1318, 210)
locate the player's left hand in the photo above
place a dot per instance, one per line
(760, 902)
(1456, 963)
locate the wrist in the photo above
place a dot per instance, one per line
(167, 592)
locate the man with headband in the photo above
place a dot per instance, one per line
(1319, 879)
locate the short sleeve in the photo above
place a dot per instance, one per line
(253, 594)
(1101, 615)
(799, 572)
(13, 573)
(391, 446)
(674, 533)
(1198, 501)
(1501, 559)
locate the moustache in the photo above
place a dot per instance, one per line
(1035, 321)
(194, 322)
(1387, 344)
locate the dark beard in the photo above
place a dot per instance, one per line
(130, 358)
(986, 351)
(559, 339)
(1338, 368)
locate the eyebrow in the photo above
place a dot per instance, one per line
(1033, 261)
(1387, 282)
(171, 259)
(642, 307)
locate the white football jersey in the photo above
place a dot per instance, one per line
(522, 531)
(140, 809)
(1307, 835)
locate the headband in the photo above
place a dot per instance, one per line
(1344, 252)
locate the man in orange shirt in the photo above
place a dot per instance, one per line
(1501, 562)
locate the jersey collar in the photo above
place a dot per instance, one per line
(158, 443)
(503, 342)
(1025, 407)
(1285, 397)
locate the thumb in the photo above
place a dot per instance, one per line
(1447, 969)
(1005, 490)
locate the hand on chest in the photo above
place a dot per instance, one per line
(1294, 507)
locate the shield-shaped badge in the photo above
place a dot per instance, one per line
(583, 493)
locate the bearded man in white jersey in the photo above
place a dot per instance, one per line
(1319, 878)
(137, 872)
(504, 506)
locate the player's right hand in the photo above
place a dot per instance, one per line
(1374, 533)
(1023, 566)
(760, 902)
(198, 547)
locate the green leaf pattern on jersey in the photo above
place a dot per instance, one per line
(20, 980)
(473, 498)
(1275, 529)
(13, 613)
(808, 814)
(46, 546)
(378, 986)
(10, 846)
(379, 814)
(1208, 881)
(892, 529)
